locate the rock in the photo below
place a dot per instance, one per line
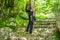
(23, 38)
(41, 38)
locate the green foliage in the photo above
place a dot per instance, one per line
(9, 22)
(45, 7)
(12, 13)
(56, 35)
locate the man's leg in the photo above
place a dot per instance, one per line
(31, 24)
(31, 27)
(27, 29)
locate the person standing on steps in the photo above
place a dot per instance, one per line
(31, 17)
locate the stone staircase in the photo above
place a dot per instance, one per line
(44, 23)
(43, 30)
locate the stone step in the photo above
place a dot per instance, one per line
(44, 26)
(44, 23)
(45, 20)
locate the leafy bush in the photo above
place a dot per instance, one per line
(13, 13)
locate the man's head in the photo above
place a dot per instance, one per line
(29, 4)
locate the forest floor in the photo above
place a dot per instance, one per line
(39, 33)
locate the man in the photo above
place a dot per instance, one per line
(30, 16)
